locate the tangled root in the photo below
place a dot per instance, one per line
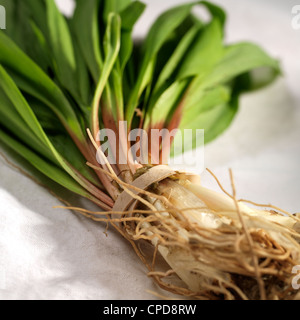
(215, 254)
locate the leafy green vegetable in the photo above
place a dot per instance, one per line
(60, 76)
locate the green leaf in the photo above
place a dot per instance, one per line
(68, 150)
(166, 74)
(84, 92)
(165, 104)
(62, 47)
(24, 32)
(159, 33)
(16, 11)
(206, 51)
(41, 54)
(236, 69)
(12, 121)
(85, 24)
(114, 6)
(45, 116)
(15, 124)
(218, 119)
(48, 169)
(239, 63)
(202, 49)
(24, 110)
(57, 71)
(216, 12)
(31, 79)
(20, 104)
(38, 13)
(129, 17)
(238, 59)
(214, 121)
(209, 99)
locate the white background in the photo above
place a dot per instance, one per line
(49, 253)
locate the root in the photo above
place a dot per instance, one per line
(250, 241)
(272, 207)
(231, 254)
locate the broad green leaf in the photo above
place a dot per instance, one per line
(20, 104)
(84, 93)
(170, 46)
(209, 99)
(24, 110)
(31, 79)
(242, 61)
(165, 104)
(69, 65)
(126, 48)
(85, 24)
(62, 47)
(156, 37)
(17, 11)
(162, 28)
(206, 51)
(238, 59)
(45, 116)
(114, 6)
(58, 137)
(12, 121)
(203, 49)
(131, 14)
(129, 17)
(216, 12)
(42, 55)
(48, 169)
(176, 58)
(214, 121)
(38, 13)
(69, 151)
(256, 79)
(218, 119)
(239, 63)
(94, 62)
(24, 32)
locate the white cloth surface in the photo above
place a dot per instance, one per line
(48, 253)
